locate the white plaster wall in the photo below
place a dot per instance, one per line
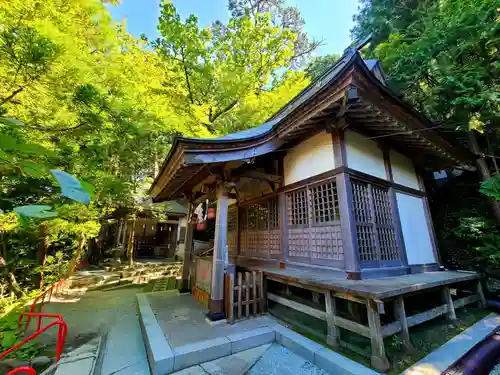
(309, 158)
(415, 229)
(403, 171)
(364, 155)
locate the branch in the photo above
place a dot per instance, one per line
(313, 46)
(186, 75)
(222, 111)
(49, 129)
(11, 96)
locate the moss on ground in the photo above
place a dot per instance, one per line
(426, 337)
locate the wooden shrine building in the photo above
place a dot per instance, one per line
(327, 196)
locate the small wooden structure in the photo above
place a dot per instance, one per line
(328, 197)
(245, 295)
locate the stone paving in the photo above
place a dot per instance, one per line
(98, 312)
(271, 359)
(182, 321)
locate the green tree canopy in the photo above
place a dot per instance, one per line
(231, 72)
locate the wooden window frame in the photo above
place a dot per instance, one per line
(374, 225)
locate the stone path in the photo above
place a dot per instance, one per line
(269, 359)
(112, 312)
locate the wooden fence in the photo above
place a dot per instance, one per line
(245, 295)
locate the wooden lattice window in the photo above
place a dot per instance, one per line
(232, 219)
(325, 203)
(232, 230)
(314, 233)
(259, 226)
(298, 214)
(375, 231)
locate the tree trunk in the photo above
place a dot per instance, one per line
(130, 248)
(41, 256)
(13, 286)
(76, 257)
(483, 169)
(116, 240)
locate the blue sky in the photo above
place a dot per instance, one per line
(328, 20)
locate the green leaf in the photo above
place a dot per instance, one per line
(34, 170)
(88, 188)
(71, 187)
(491, 187)
(4, 155)
(11, 121)
(7, 142)
(38, 211)
(9, 339)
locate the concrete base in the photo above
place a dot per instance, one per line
(165, 358)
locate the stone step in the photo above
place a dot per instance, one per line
(80, 361)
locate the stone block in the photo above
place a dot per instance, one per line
(337, 364)
(159, 353)
(200, 352)
(296, 343)
(251, 339)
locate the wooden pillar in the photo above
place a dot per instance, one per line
(449, 302)
(220, 257)
(333, 335)
(400, 314)
(480, 293)
(188, 246)
(283, 222)
(378, 359)
(348, 226)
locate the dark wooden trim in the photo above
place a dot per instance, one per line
(377, 273)
(283, 222)
(428, 218)
(339, 151)
(258, 199)
(311, 180)
(420, 268)
(353, 275)
(387, 164)
(380, 181)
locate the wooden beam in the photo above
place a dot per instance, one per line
(395, 327)
(349, 297)
(352, 326)
(274, 178)
(427, 315)
(297, 306)
(465, 301)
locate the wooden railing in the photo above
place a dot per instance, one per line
(245, 295)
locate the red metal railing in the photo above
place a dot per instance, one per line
(40, 301)
(22, 370)
(61, 333)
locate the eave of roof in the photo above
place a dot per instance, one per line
(249, 138)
